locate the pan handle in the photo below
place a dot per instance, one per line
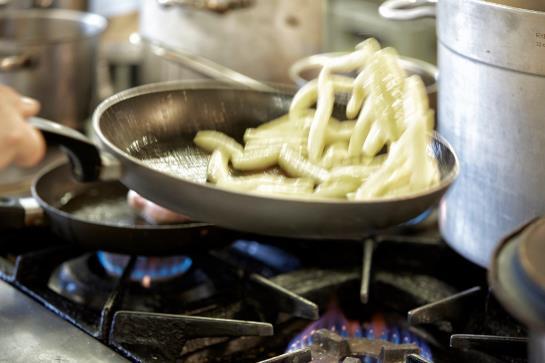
(87, 162)
(17, 62)
(20, 212)
(216, 6)
(201, 65)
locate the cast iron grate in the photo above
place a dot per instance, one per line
(446, 298)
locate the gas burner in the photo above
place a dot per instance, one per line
(333, 320)
(168, 284)
(385, 338)
(265, 259)
(147, 270)
(401, 296)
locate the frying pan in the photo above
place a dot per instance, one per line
(96, 216)
(146, 135)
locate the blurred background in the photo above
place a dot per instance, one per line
(71, 54)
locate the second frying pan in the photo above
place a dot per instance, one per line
(96, 215)
(148, 133)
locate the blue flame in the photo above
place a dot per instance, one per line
(333, 320)
(419, 219)
(377, 328)
(397, 335)
(269, 255)
(155, 268)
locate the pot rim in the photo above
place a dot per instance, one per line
(97, 24)
(509, 8)
(314, 61)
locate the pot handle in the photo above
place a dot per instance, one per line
(216, 6)
(87, 162)
(20, 212)
(408, 9)
(17, 62)
(205, 66)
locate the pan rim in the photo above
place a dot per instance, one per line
(281, 89)
(48, 173)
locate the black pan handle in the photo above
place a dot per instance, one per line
(20, 212)
(88, 163)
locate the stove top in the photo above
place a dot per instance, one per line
(401, 296)
(30, 333)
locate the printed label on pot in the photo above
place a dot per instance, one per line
(540, 40)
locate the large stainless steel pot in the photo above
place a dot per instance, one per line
(260, 38)
(81, 5)
(51, 55)
(491, 108)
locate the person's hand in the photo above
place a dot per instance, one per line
(153, 213)
(20, 143)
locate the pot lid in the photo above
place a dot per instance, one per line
(517, 274)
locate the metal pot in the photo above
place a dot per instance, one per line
(51, 55)
(491, 108)
(309, 68)
(45, 4)
(260, 38)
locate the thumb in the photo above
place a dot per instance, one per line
(28, 106)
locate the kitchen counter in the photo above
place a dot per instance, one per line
(30, 333)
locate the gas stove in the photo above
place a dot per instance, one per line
(398, 296)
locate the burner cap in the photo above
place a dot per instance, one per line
(517, 274)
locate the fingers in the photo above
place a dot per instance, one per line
(7, 153)
(9, 95)
(153, 213)
(29, 106)
(32, 147)
(20, 143)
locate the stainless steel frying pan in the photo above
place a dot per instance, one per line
(146, 135)
(96, 215)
